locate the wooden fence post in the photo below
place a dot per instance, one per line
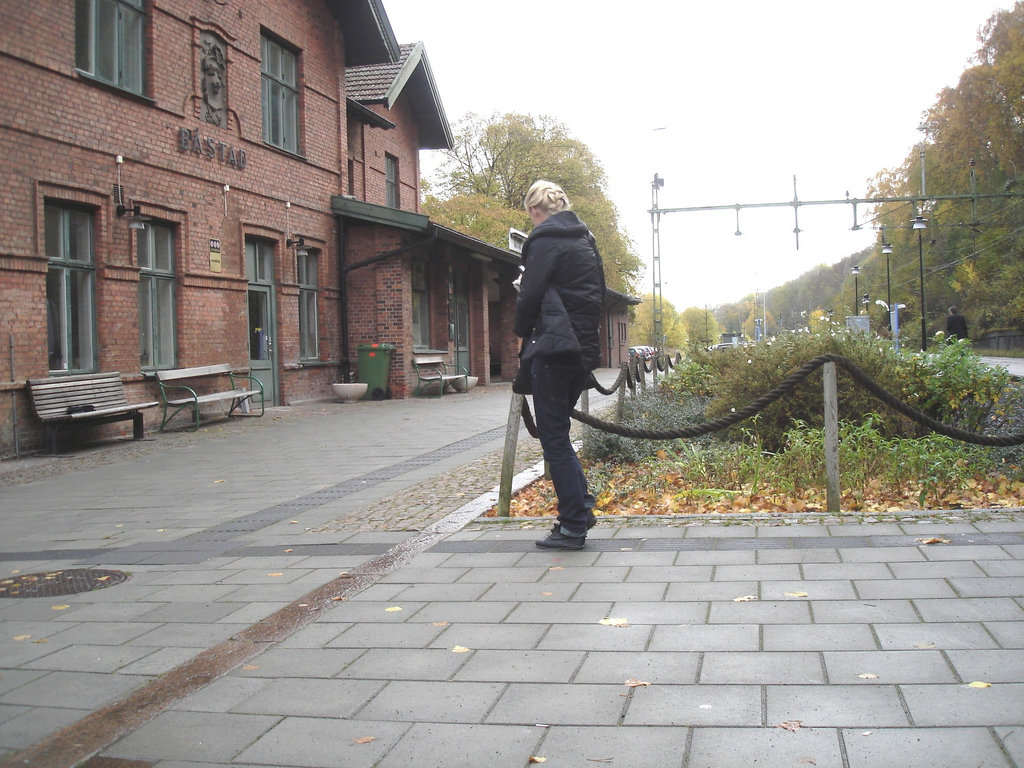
(508, 460)
(831, 439)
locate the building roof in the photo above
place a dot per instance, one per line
(410, 76)
(368, 34)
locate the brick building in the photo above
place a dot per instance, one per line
(197, 182)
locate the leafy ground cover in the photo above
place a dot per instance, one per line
(776, 466)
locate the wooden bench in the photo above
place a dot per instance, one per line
(178, 395)
(434, 371)
(85, 398)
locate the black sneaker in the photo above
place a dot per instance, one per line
(591, 518)
(558, 540)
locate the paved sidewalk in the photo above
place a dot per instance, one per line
(278, 615)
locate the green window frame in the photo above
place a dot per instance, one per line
(391, 181)
(70, 288)
(308, 272)
(420, 306)
(280, 92)
(110, 41)
(157, 314)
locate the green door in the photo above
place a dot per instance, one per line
(460, 322)
(259, 267)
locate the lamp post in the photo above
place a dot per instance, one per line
(855, 270)
(920, 223)
(887, 250)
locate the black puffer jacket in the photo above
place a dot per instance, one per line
(561, 300)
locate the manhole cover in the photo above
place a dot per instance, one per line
(53, 583)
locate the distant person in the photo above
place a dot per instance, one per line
(956, 325)
(558, 313)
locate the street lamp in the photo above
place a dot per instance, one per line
(887, 250)
(855, 270)
(920, 223)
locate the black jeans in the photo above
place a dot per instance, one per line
(556, 388)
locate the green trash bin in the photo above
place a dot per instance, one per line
(374, 362)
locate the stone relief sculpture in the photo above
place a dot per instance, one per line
(213, 67)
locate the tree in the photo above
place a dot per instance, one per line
(700, 327)
(493, 163)
(671, 324)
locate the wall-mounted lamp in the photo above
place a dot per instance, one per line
(300, 246)
(135, 218)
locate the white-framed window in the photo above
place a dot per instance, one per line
(110, 41)
(70, 288)
(155, 252)
(420, 305)
(307, 278)
(279, 67)
(391, 181)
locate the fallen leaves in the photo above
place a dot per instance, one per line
(364, 739)
(745, 599)
(613, 622)
(535, 759)
(634, 683)
(791, 725)
(868, 676)
(393, 609)
(979, 684)
(796, 594)
(933, 540)
(460, 649)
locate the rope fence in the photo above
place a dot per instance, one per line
(632, 374)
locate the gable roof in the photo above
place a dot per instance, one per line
(409, 76)
(368, 34)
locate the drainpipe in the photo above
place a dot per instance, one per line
(346, 361)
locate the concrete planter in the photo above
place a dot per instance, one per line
(349, 392)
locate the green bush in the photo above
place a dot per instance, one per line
(951, 384)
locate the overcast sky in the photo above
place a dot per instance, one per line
(726, 101)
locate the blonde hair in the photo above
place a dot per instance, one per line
(547, 196)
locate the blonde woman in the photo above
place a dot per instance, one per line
(558, 314)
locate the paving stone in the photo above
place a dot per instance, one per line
(908, 589)
(818, 637)
(962, 705)
(76, 690)
(385, 635)
(500, 746)
(493, 636)
(943, 636)
(847, 571)
(643, 591)
(404, 664)
(836, 706)
(532, 591)
(757, 572)
(703, 705)
(466, 612)
(992, 666)
(936, 570)
(305, 697)
(636, 747)
(582, 637)
(566, 613)
(710, 590)
(673, 573)
(952, 747)
(656, 668)
(300, 662)
(200, 736)
(1013, 742)
(705, 637)
(660, 612)
(559, 704)
(761, 668)
(33, 724)
(90, 658)
(991, 586)
(798, 556)
(521, 666)
(863, 611)
(432, 702)
(889, 667)
(713, 557)
(316, 742)
(718, 747)
(760, 612)
(1008, 634)
(970, 609)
